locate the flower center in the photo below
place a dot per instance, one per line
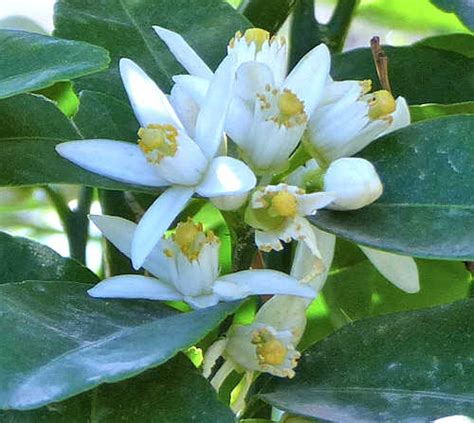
(158, 141)
(381, 103)
(269, 349)
(190, 238)
(283, 204)
(284, 108)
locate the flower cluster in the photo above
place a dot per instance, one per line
(252, 107)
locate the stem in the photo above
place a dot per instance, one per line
(75, 222)
(306, 32)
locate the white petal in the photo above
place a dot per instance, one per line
(309, 203)
(251, 79)
(184, 53)
(211, 118)
(239, 120)
(226, 176)
(401, 116)
(260, 282)
(194, 86)
(203, 301)
(186, 108)
(148, 101)
(119, 160)
(156, 221)
(308, 78)
(134, 286)
(268, 241)
(400, 270)
(307, 267)
(120, 232)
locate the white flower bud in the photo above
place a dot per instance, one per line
(354, 182)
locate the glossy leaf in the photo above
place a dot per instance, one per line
(463, 8)
(58, 342)
(431, 111)
(33, 61)
(30, 127)
(172, 393)
(427, 207)
(460, 43)
(207, 25)
(420, 74)
(407, 366)
(23, 259)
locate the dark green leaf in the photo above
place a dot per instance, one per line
(431, 111)
(173, 393)
(125, 29)
(413, 366)
(22, 259)
(30, 127)
(463, 8)
(460, 43)
(427, 208)
(58, 342)
(420, 74)
(361, 291)
(33, 61)
(269, 15)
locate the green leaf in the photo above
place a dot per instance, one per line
(269, 15)
(460, 43)
(33, 61)
(172, 393)
(361, 291)
(409, 366)
(30, 127)
(125, 29)
(462, 8)
(427, 208)
(431, 111)
(420, 74)
(58, 342)
(62, 93)
(22, 259)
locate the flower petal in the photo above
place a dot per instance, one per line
(226, 176)
(251, 79)
(156, 221)
(202, 301)
(149, 103)
(211, 118)
(309, 203)
(259, 282)
(134, 286)
(401, 116)
(120, 232)
(400, 270)
(119, 160)
(184, 53)
(308, 78)
(194, 86)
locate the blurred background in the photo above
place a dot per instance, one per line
(28, 211)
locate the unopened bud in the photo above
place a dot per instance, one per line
(354, 182)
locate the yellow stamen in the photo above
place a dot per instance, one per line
(158, 141)
(257, 36)
(381, 103)
(190, 238)
(284, 204)
(269, 349)
(365, 85)
(289, 104)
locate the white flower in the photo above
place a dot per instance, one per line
(349, 118)
(268, 113)
(186, 267)
(277, 212)
(166, 155)
(354, 182)
(400, 270)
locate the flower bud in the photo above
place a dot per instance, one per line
(230, 202)
(354, 182)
